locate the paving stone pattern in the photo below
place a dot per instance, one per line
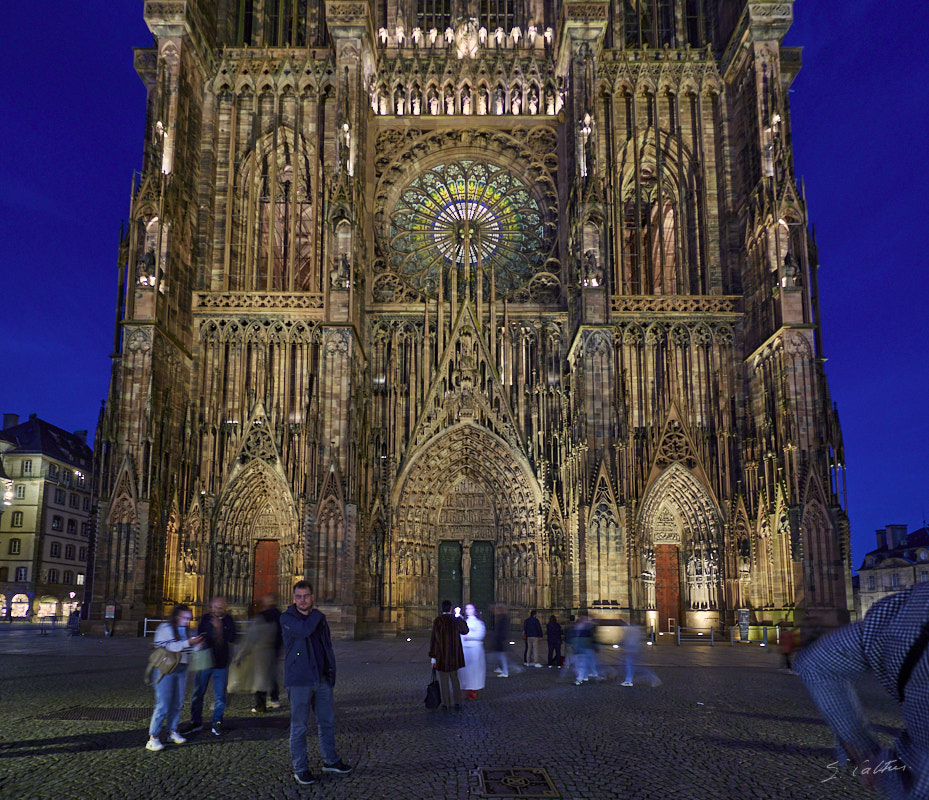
(725, 723)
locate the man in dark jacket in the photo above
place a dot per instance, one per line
(447, 654)
(532, 630)
(218, 631)
(309, 675)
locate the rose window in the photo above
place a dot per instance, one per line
(473, 217)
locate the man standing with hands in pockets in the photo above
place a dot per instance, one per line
(309, 675)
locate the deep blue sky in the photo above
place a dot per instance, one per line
(71, 134)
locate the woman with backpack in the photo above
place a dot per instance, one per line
(169, 688)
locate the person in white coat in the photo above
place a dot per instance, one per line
(472, 674)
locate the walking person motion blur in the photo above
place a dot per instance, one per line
(532, 631)
(472, 675)
(309, 675)
(447, 654)
(892, 643)
(218, 631)
(582, 642)
(553, 635)
(786, 644)
(501, 639)
(172, 635)
(633, 636)
(259, 652)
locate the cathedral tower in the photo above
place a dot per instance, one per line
(471, 299)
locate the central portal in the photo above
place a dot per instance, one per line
(450, 572)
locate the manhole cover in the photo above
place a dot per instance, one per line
(517, 783)
(98, 714)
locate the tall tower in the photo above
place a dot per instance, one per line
(471, 299)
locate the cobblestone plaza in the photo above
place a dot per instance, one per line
(725, 723)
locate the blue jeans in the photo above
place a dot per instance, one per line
(169, 697)
(585, 664)
(302, 699)
(220, 679)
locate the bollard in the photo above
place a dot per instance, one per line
(678, 635)
(764, 636)
(732, 636)
(712, 637)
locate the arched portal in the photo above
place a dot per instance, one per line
(254, 548)
(680, 546)
(467, 515)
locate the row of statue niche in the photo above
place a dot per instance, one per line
(516, 563)
(485, 103)
(419, 37)
(413, 561)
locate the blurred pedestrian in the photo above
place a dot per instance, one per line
(501, 640)
(219, 633)
(892, 643)
(447, 654)
(584, 660)
(260, 651)
(553, 635)
(633, 636)
(787, 644)
(471, 677)
(173, 635)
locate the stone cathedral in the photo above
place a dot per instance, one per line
(487, 300)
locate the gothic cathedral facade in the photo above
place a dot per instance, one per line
(491, 300)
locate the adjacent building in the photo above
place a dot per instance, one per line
(471, 300)
(46, 530)
(900, 560)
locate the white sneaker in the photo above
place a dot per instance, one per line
(154, 744)
(175, 737)
(626, 683)
(273, 704)
(498, 670)
(537, 665)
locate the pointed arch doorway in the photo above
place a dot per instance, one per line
(467, 527)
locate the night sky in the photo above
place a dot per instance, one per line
(72, 114)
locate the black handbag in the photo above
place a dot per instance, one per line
(433, 695)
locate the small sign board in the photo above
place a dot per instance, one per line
(109, 612)
(743, 624)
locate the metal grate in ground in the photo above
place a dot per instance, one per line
(519, 782)
(99, 714)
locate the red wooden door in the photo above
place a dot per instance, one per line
(265, 576)
(667, 585)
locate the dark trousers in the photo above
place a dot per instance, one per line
(261, 697)
(554, 653)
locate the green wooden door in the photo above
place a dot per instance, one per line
(450, 572)
(482, 577)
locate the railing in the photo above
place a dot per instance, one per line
(757, 634)
(696, 635)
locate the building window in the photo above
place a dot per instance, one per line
(871, 583)
(85, 529)
(895, 581)
(20, 577)
(72, 526)
(74, 501)
(60, 496)
(80, 480)
(14, 547)
(923, 576)
(4, 577)
(20, 491)
(82, 554)
(58, 523)
(27, 467)
(55, 550)
(80, 578)
(53, 576)
(67, 578)
(66, 477)
(69, 552)
(86, 504)
(52, 470)
(16, 521)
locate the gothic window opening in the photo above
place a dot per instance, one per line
(434, 14)
(284, 23)
(650, 238)
(650, 23)
(273, 233)
(498, 14)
